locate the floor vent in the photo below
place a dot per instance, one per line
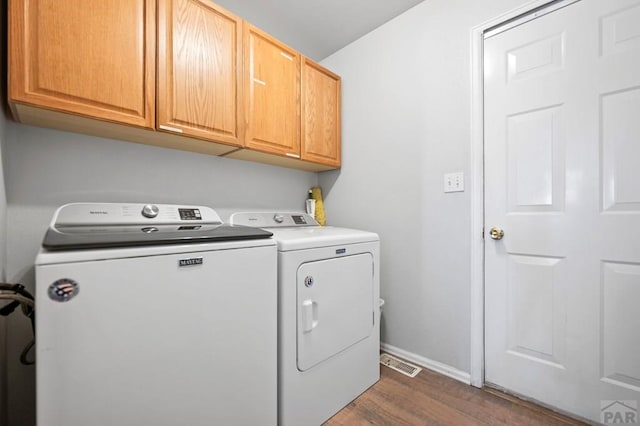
(399, 365)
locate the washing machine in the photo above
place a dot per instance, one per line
(328, 314)
(155, 315)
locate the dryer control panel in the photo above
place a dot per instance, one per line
(272, 219)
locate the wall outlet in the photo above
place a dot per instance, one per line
(454, 182)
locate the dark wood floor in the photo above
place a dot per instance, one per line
(433, 399)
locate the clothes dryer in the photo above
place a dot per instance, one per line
(328, 314)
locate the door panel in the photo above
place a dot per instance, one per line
(536, 309)
(620, 31)
(535, 177)
(561, 178)
(335, 306)
(619, 144)
(620, 323)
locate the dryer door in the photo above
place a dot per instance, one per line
(335, 306)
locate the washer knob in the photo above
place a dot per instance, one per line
(150, 211)
(278, 218)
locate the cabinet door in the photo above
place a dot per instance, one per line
(199, 70)
(320, 114)
(90, 57)
(272, 84)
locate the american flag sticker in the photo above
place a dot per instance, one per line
(63, 290)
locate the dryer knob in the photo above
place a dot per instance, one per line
(278, 218)
(150, 211)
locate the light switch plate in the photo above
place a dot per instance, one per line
(454, 182)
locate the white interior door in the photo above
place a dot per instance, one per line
(562, 179)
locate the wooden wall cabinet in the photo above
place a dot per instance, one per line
(222, 86)
(107, 72)
(199, 71)
(272, 87)
(293, 107)
(320, 116)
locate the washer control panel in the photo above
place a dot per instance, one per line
(272, 220)
(106, 214)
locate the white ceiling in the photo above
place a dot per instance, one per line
(317, 28)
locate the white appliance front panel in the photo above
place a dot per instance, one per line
(311, 397)
(148, 342)
(335, 306)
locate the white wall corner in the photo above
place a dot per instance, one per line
(438, 367)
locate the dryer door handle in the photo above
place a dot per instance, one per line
(309, 315)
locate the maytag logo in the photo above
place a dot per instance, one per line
(97, 212)
(190, 262)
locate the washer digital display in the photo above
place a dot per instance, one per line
(190, 214)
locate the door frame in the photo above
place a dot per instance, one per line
(477, 327)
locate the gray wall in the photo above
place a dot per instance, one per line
(3, 239)
(3, 211)
(46, 168)
(3, 199)
(406, 122)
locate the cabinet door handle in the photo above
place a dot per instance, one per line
(286, 55)
(259, 81)
(171, 129)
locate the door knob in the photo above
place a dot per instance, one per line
(496, 233)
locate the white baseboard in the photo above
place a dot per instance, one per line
(436, 366)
